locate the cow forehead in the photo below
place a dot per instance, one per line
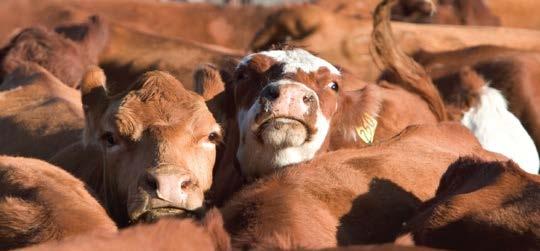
(295, 59)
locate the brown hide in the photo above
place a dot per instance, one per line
(481, 206)
(516, 13)
(348, 196)
(65, 53)
(39, 115)
(513, 72)
(166, 234)
(395, 108)
(345, 41)
(131, 53)
(138, 145)
(457, 12)
(40, 202)
(206, 23)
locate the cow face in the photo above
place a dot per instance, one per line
(159, 145)
(284, 100)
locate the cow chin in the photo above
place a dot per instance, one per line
(269, 144)
(153, 215)
(283, 132)
(144, 208)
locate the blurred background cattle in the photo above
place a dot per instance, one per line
(269, 124)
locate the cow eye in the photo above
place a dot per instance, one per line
(214, 137)
(109, 139)
(334, 86)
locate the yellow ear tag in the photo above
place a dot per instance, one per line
(367, 132)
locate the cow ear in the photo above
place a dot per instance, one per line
(208, 82)
(94, 100)
(215, 87)
(355, 121)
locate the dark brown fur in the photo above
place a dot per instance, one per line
(481, 206)
(40, 202)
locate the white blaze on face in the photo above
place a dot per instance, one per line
(258, 159)
(294, 60)
(498, 130)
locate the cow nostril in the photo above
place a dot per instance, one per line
(151, 182)
(308, 99)
(185, 184)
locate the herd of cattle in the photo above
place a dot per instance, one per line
(306, 126)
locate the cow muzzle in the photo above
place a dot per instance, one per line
(287, 115)
(168, 191)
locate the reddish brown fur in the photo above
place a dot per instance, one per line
(166, 234)
(411, 75)
(66, 57)
(336, 198)
(30, 97)
(154, 125)
(394, 108)
(458, 12)
(220, 25)
(40, 202)
(128, 56)
(345, 41)
(481, 206)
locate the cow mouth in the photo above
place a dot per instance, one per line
(154, 214)
(284, 132)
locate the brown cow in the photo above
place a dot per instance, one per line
(40, 202)
(66, 57)
(345, 41)
(41, 65)
(481, 206)
(516, 13)
(458, 12)
(511, 71)
(348, 196)
(130, 53)
(39, 114)
(166, 234)
(283, 107)
(220, 25)
(157, 142)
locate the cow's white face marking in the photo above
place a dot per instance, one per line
(498, 130)
(294, 60)
(258, 158)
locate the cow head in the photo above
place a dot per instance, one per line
(286, 103)
(65, 53)
(158, 142)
